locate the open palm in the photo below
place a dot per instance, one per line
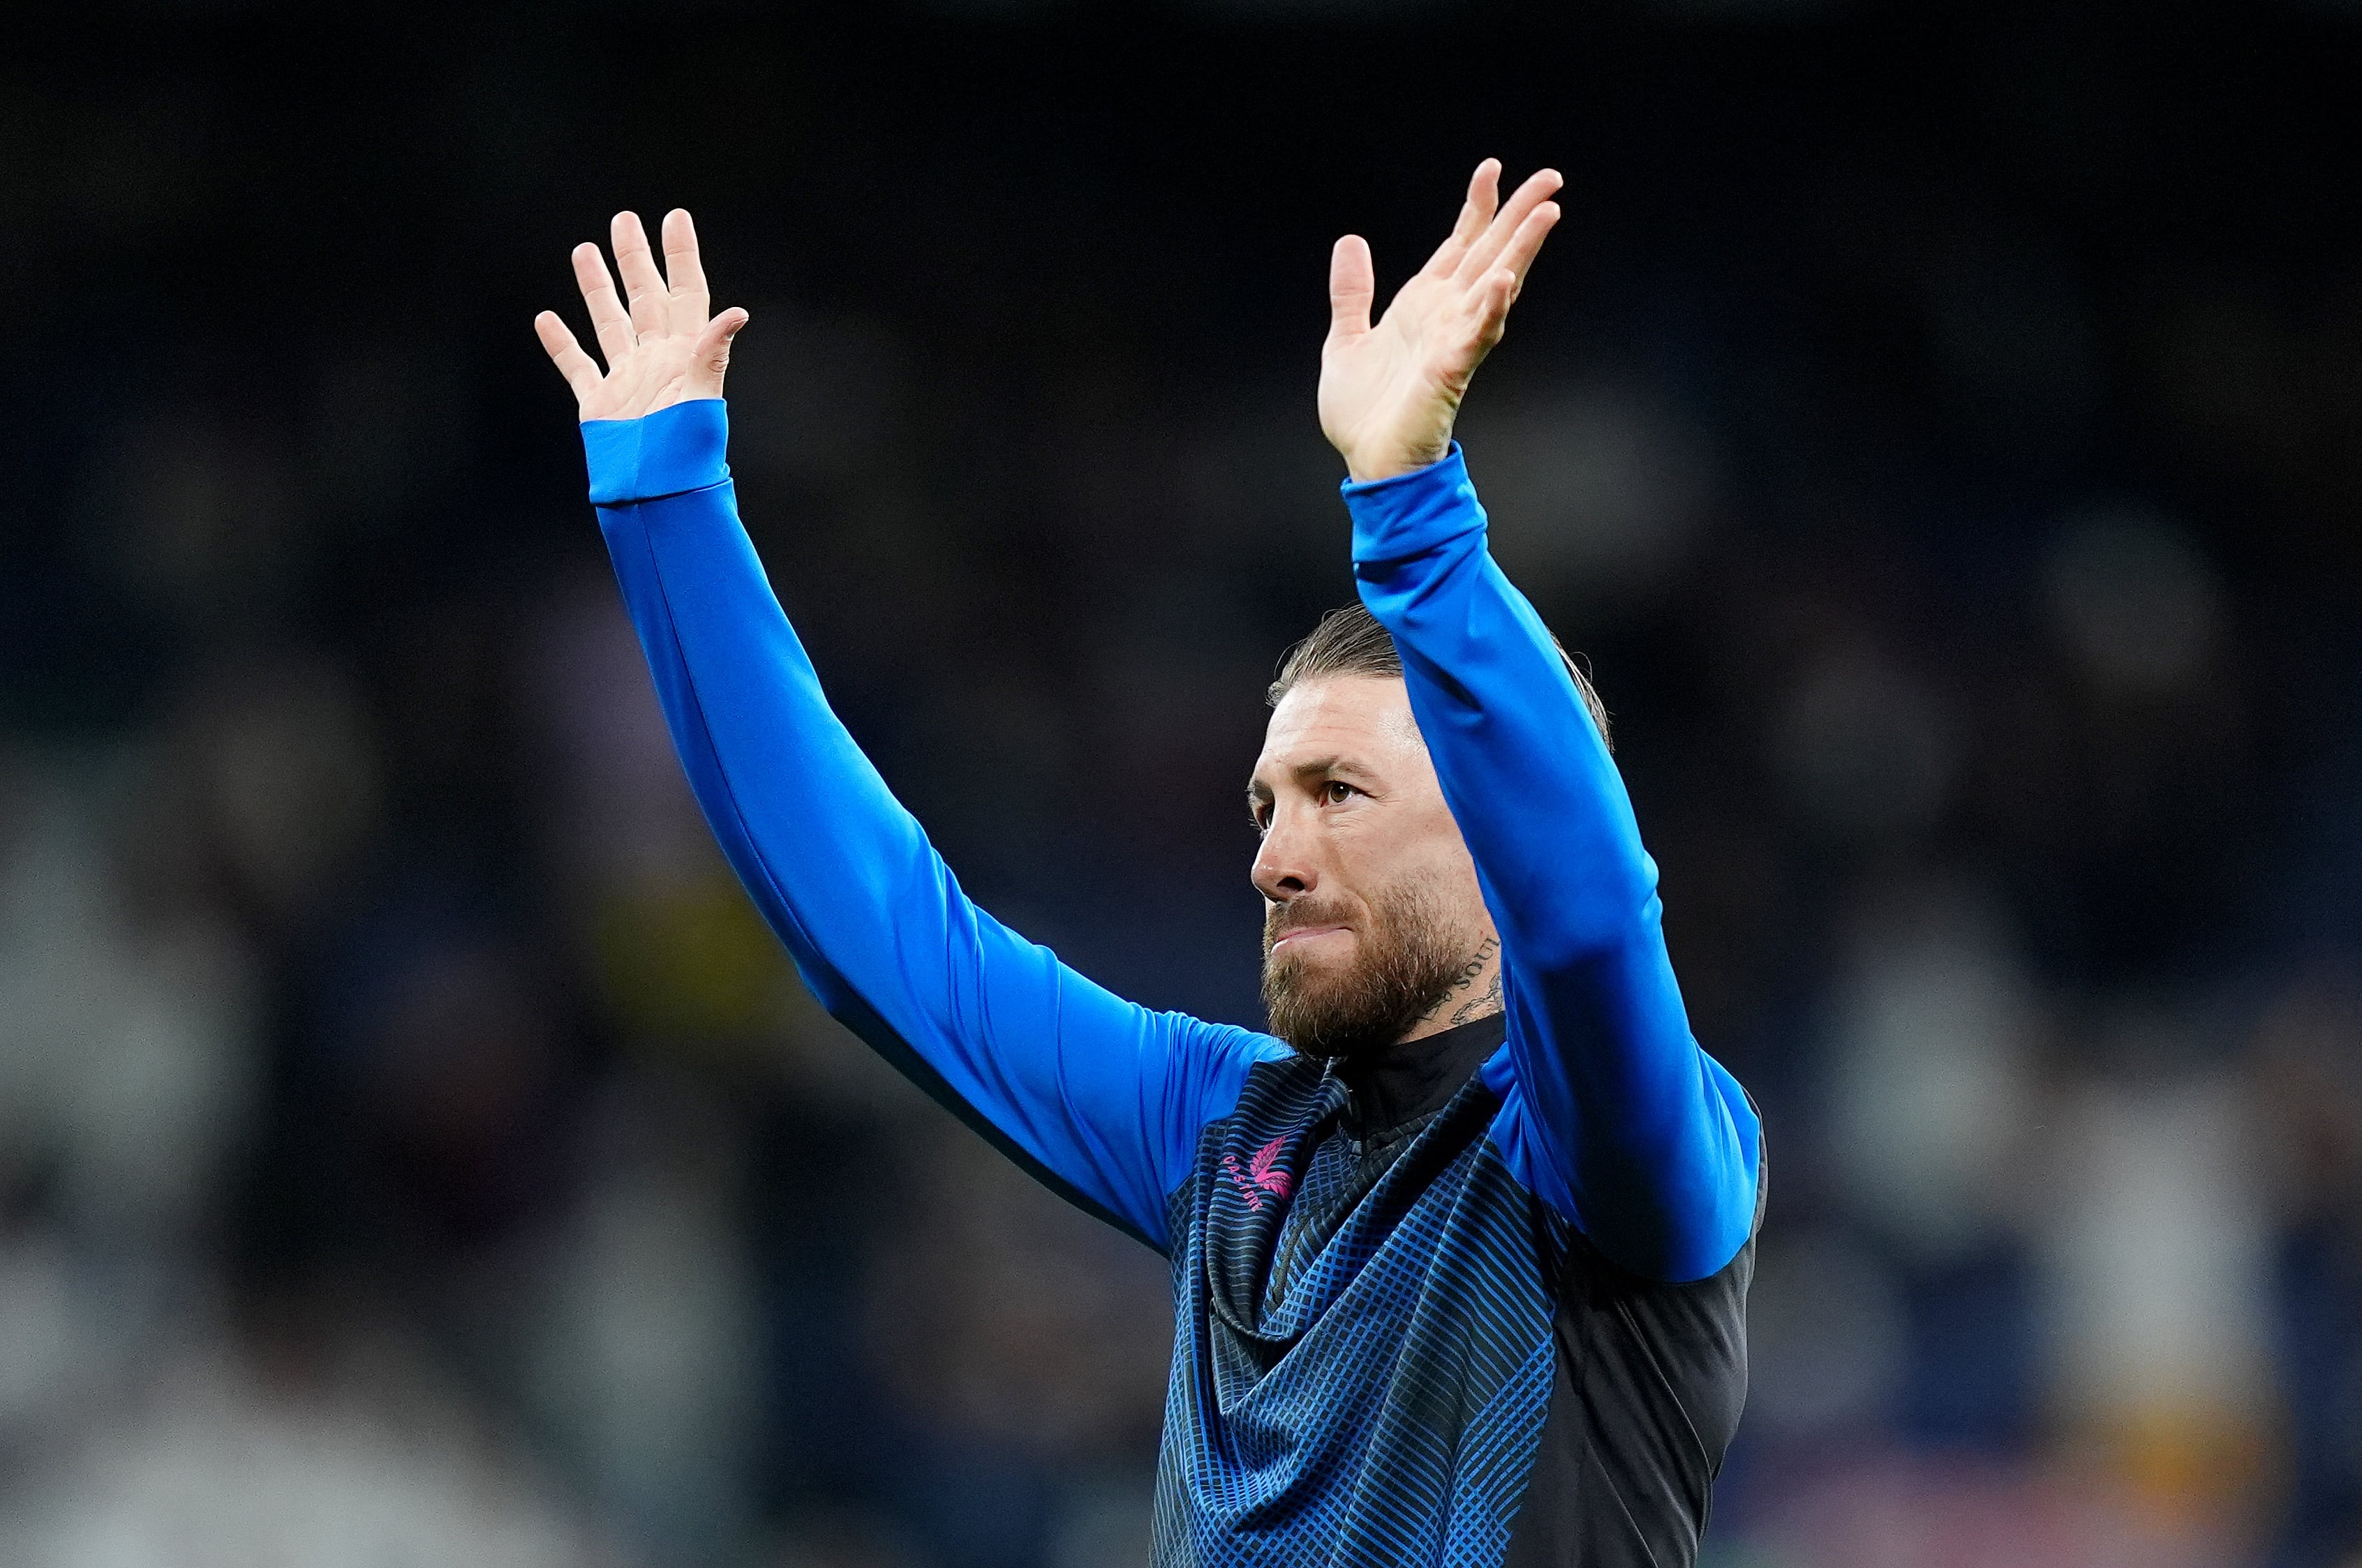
(661, 349)
(1389, 392)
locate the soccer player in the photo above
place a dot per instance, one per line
(1461, 1249)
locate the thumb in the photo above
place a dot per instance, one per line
(1351, 285)
(711, 355)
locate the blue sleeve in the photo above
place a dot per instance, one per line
(1102, 1098)
(1611, 1112)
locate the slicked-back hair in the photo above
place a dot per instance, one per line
(1350, 640)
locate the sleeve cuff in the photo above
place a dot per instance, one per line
(1408, 515)
(668, 452)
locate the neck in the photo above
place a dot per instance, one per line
(1475, 993)
(1395, 1085)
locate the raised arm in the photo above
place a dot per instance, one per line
(1614, 1114)
(1101, 1097)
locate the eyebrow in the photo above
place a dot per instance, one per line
(1317, 767)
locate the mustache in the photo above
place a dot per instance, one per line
(1298, 913)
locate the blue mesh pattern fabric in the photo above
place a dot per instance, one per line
(1363, 1357)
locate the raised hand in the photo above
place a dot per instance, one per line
(1389, 392)
(661, 351)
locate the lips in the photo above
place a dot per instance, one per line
(1296, 934)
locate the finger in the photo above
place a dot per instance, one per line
(1496, 292)
(1527, 242)
(710, 359)
(1352, 283)
(1485, 252)
(608, 317)
(685, 273)
(642, 282)
(581, 372)
(1484, 193)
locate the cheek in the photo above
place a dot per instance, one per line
(1452, 879)
(1458, 869)
(1426, 849)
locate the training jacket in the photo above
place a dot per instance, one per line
(1477, 1299)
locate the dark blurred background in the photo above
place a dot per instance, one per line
(1940, 427)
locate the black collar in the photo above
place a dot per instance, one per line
(1402, 1083)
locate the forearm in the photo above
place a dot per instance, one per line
(793, 803)
(1651, 1146)
(1093, 1090)
(1526, 770)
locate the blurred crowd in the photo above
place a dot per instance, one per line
(1943, 440)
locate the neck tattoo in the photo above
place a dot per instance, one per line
(1464, 1006)
(1482, 1005)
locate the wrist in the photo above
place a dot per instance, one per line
(678, 448)
(1365, 477)
(1393, 468)
(1368, 464)
(1408, 514)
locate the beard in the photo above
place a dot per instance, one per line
(1406, 961)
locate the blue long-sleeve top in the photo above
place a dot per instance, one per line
(1611, 1112)
(1608, 1110)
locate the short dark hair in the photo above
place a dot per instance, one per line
(1350, 640)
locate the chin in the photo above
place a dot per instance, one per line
(1333, 998)
(1332, 960)
(1306, 976)
(1322, 1009)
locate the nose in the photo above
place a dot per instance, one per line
(1283, 866)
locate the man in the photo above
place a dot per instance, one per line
(1460, 1259)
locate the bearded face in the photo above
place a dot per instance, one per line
(1406, 955)
(1372, 915)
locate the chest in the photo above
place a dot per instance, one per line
(1311, 1253)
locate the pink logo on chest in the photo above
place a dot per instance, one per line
(1257, 1176)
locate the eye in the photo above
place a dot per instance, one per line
(1336, 792)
